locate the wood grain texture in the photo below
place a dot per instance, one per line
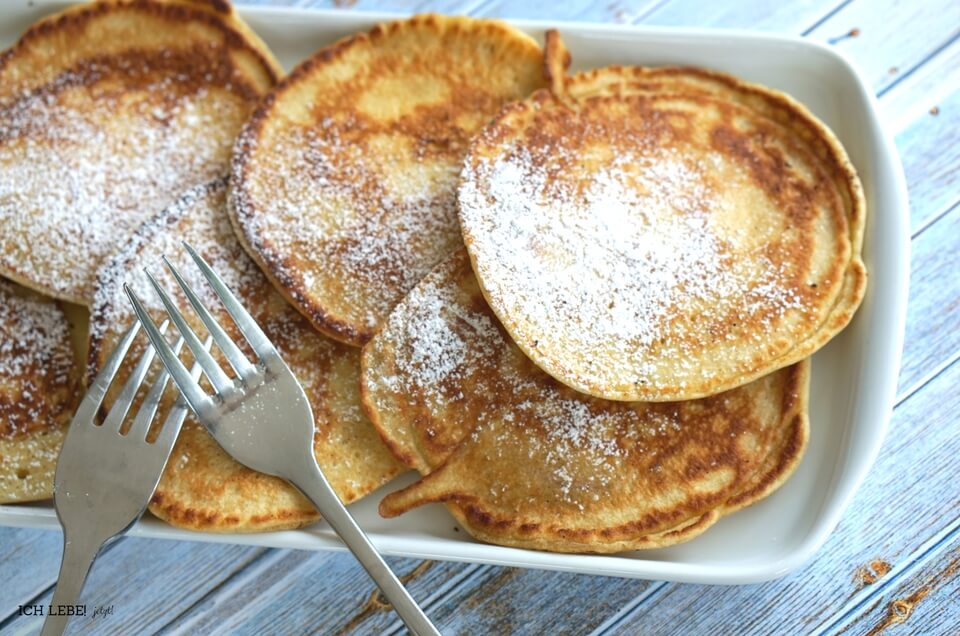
(617, 11)
(916, 93)
(528, 602)
(784, 17)
(29, 560)
(288, 590)
(909, 32)
(930, 151)
(912, 492)
(374, 6)
(926, 601)
(933, 319)
(149, 583)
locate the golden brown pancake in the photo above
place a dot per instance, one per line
(344, 179)
(202, 487)
(39, 382)
(522, 460)
(108, 112)
(663, 234)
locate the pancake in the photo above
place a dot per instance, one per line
(202, 488)
(522, 460)
(663, 234)
(39, 390)
(108, 112)
(344, 179)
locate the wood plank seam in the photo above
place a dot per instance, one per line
(270, 557)
(910, 99)
(825, 18)
(440, 596)
(913, 69)
(939, 542)
(872, 593)
(471, 9)
(258, 557)
(929, 377)
(648, 595)
(934, 218)
(35, 599)
(478, 8)
(648, 11)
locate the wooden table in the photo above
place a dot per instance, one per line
(893, 562)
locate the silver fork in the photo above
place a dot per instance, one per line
(262, 418)
(104, 480)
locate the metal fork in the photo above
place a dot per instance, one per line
(104, 480)
(262, 418)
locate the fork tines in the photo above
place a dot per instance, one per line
(121, 406)
(223, 384)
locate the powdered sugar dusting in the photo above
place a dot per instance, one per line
(36, 363)
(611, 270)
(78, 173)
(439, 343)
(453, 376)
(353, 458)
(202, 223)
(360, 239)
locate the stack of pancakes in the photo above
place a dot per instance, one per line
(581, 306)
(108, 112)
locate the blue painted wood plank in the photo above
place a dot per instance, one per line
(29, 560)
(890, 37)
(291, 591)
(529, 602)
(617, 11)
(912, 492)
(933, 322)
(148, 583)
(925, 602)
(377, 6)
(930, 151)
(787, 17)
(917, 93)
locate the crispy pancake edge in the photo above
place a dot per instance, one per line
(505, 531)
(273, 264)
(787, 442)
(281, 506)
(785, 111)
(217, 13)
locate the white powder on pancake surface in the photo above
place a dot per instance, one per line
(36, 358)
(207, 229)
(439, 343)
(75, 184)
(355, 240)
(624, 265)
(450, 354)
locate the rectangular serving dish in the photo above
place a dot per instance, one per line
(854, 377)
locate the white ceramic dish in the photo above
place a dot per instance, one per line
(854, 377)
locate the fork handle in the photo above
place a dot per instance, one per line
(315, 487)
(78, 556)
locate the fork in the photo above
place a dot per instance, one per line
(238, 413)
(104, 479)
